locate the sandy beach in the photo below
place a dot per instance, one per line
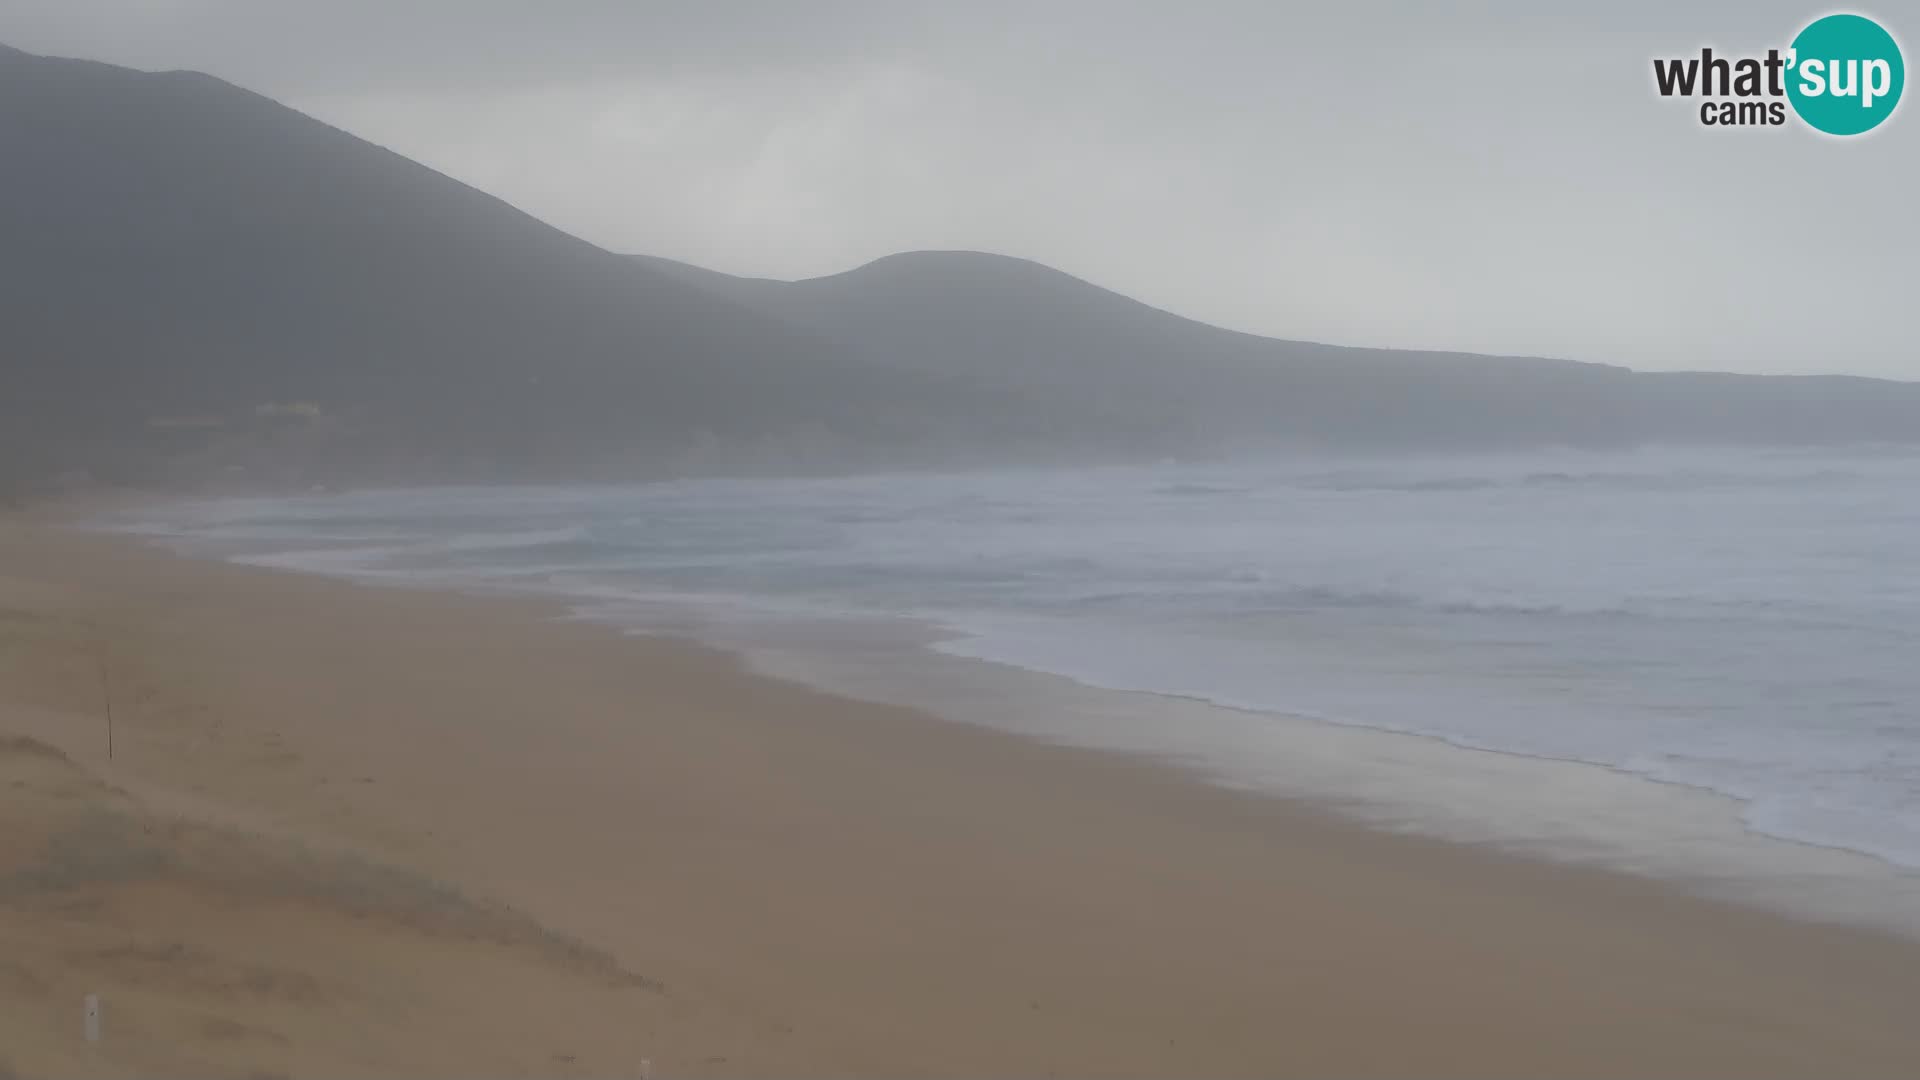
(356, 831)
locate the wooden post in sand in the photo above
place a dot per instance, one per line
(90, 1012)
(106, 691)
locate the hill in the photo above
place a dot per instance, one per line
(198, 283)
(1060, 339)
(193, 273)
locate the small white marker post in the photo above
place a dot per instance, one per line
(91, 1011)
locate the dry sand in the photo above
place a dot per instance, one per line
(349, 831)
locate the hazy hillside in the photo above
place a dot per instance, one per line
(1060, 339)
(191, 270)
(199, 283)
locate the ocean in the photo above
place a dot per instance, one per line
(1699, 665)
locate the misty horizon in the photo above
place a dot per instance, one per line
(1592, 224)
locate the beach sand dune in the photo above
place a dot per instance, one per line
(349, 831)
(217, 953)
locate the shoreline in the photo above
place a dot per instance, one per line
(1738, 834)
(823, 885)
(1744, 807)
(1678, 834)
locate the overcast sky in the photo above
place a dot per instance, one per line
(1496, 177)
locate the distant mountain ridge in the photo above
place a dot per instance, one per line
(198, 283)
(1044, 330)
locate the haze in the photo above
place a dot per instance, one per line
(1494, 178)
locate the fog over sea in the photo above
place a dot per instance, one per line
(1743, 628)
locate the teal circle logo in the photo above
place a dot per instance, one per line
(1845, 74)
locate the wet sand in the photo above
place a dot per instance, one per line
(358, 831)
